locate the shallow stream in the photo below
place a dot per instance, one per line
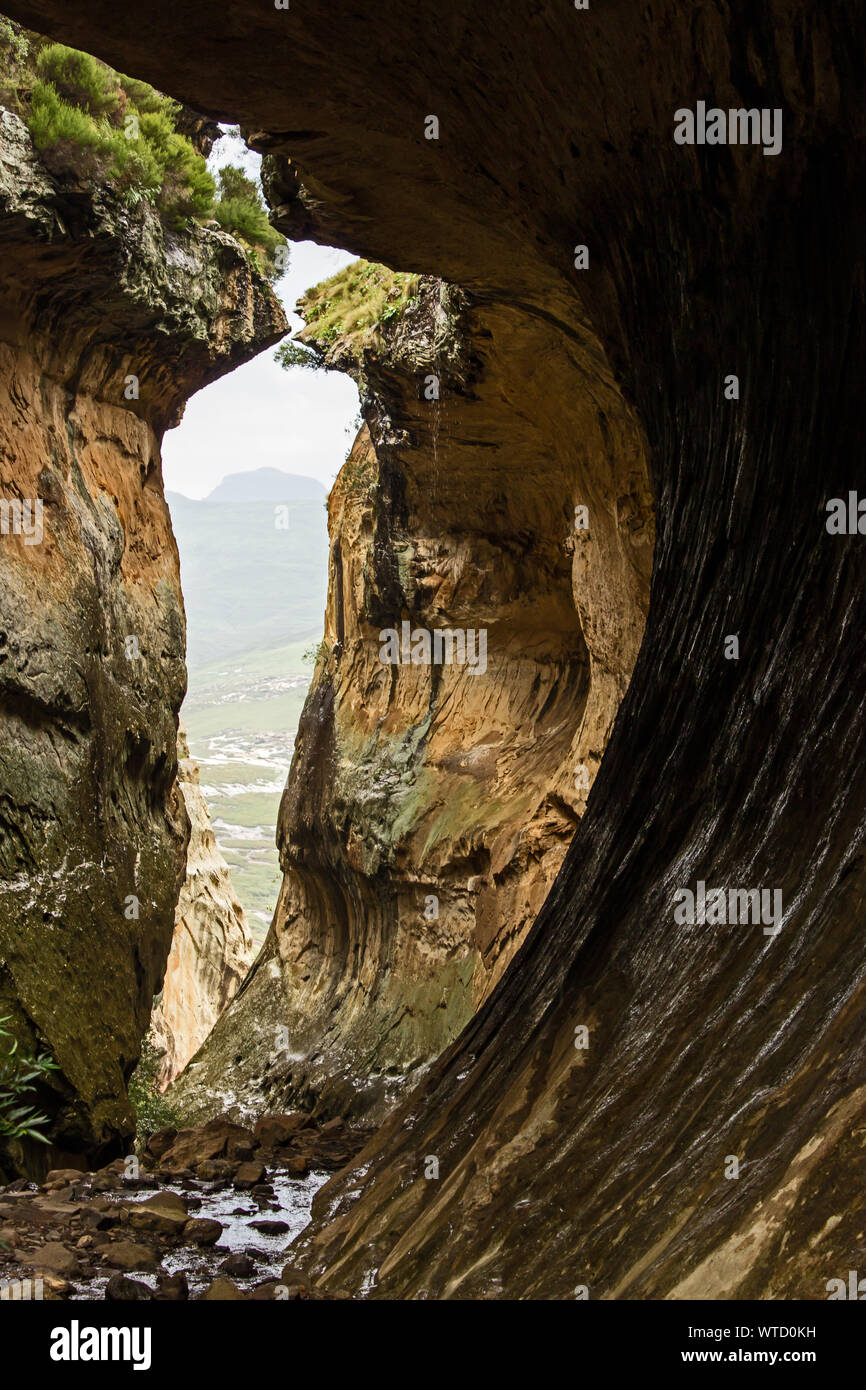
(291, 1203)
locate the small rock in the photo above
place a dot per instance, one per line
(61, 1177)
(106, 1182)
(238, 1265)
(333, 1126)
(249, 1175)
(298, 1167)
(55, 1287)
(222, 1290)
(268, 1292)
(164, 1215)
(241, 1149)
(172, 1288)
(272, 1130)
(121, 1289)
(161, 1141)
(144, 1182)
(127, 1254)
(268, 1227)
(95, 1219)
(215, 1170)
(202, 1231)
(56, 1258)
(193, 1146)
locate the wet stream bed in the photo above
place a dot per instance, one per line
(268, 1253)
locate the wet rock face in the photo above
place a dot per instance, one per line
(212, 947)
(92, 825)
(604, 1167)
(431, 803)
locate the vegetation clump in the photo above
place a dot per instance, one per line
(241, 211)
(349, 308)
(96, 124)
(19, 1077)
(152, 1110)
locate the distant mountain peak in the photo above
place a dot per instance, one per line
(266, 485)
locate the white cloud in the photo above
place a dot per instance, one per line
(260, 415)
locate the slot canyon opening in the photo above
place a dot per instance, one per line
(556, 127)
(431, 801)
(246, 474)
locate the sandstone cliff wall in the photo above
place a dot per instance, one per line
(212, 947)
(429, 806)
(604, 1168)
(92, 825)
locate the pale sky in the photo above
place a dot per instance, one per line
(259, 416)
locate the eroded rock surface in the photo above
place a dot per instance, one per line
(604, 1167)
(430, 805)
(212, 947)
(92, 825)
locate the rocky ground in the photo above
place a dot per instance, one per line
(205, 1213)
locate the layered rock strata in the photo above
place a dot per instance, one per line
(212, 947)
(107, 324)
(604, 1168)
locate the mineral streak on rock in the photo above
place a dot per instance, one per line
(212, 948)
(92, 825)
(604, 1167)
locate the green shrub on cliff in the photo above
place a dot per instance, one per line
(186, 188)
(152, 1110)
(352, 306)
(94, 123)
(18, 1078)
(14, 52)
(84, 82)
(292, 354)
(242, 212)
(84, 117)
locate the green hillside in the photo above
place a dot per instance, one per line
(255, 601)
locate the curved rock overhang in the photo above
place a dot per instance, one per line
(605, 1166)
